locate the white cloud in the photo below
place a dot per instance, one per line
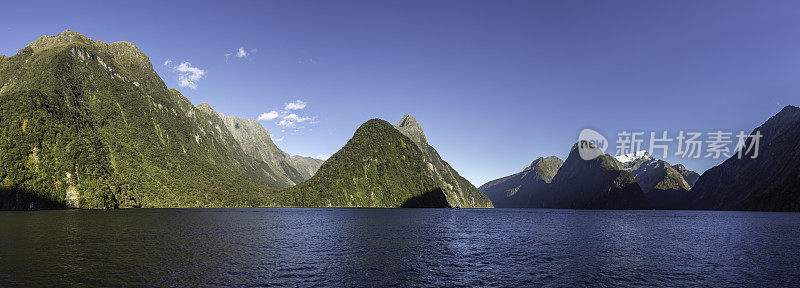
(240, 53)
(189, 75)
(286, 123)
(296, 105)
(290, 117)
(323, 156)
(279, 139)
(293, 117)
(268, 116)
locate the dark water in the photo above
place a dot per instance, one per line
(402, 247)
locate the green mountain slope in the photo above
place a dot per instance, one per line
(526, 189)
(459, 191)
(378, 167)
(88, 124)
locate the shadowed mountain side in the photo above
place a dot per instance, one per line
(526, 189)
(688, 175)
(432, 199)
(600, 183)
(18, 199)
(770, 182)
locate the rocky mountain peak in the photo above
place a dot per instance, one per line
(409, 126)
(544, 163)
(636, 156)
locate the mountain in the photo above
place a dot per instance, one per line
(663, 185)
(770, 182)
(688, 175)
(306, 166)
(459, 191)
(378, 167)
(89, 124)
(526, 189)
(285, 170)
(633, 161)
(600, 183)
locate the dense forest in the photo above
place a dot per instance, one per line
(93, 122)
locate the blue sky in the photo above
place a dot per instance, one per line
(495, 84)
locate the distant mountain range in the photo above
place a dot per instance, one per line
(662, 185)
(600, 183)
(768, 182)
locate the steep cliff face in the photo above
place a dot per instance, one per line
(526, 189)
(459, 191)
(768, 182)
(378, 167)
(256, 141)
(90, 124)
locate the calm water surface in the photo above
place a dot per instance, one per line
(398, 247)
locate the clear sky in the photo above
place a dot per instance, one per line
(495, 84)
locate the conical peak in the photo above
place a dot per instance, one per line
(409, 126)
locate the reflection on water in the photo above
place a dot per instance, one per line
(405, 247)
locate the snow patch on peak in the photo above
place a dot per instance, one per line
(631, 157)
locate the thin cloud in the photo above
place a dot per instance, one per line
(323, 156)
(307, 61)
(295, 118)
(286, 123)
(240, 53)
(296, 105)
(279, 139)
